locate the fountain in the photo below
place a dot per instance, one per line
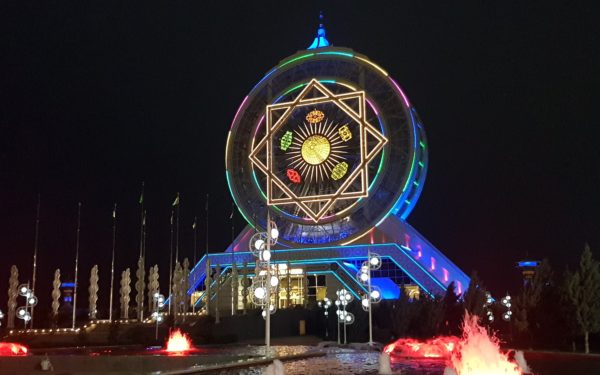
(12, 349)
(439, 347)
(479, 353)
(476, 352)
(179, 342)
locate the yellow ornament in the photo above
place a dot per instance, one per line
(339, 171)
(315, 116)
(345, 133)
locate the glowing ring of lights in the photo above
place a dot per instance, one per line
(393, 176)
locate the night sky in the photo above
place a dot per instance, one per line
(96, 98)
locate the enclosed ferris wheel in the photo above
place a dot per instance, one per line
(329, 144)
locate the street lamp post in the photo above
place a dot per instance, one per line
(487, 306)
(344, 317)
(506, 302)
(326, 304)
(30, 302)
(373, 262)
(260, 245)
(159, 303)
(337, 312)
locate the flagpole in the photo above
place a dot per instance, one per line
(76, 262)
(141, 201)
(195, 240)
(177, 231)
(233, 289)
(143, 256)
(145, 235)
(195, 257)
(206, 210)
(142, 224)
(112, 266)
(35, 250)
(171, 263)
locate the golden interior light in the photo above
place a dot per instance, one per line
(315, 149)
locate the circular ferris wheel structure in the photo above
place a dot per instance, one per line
(329, 145)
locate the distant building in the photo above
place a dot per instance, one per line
(66, 292)
(528, 268)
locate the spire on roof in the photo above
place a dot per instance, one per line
(320, 40)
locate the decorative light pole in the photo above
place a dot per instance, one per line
(157, 316)
(487, 306)
(344, 317)
(506, 302)
(30, 302)
(373, 262)
(260, 245)
(337, 312)
(326, 304)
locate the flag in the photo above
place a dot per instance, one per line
(115, 211)
(176, 201)
(144, 219)
(194, 225)
(206, 205)
(171, 217)
(141, 200)
(232, 210)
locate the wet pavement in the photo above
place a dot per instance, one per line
(345, 362)
(355, 362)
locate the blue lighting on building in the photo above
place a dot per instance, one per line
(389, 290)
(67, 285)
(320, 40)
(528, 263)
(351, 265)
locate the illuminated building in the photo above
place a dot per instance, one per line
(528, 268)
(338, 158)
(67, 289)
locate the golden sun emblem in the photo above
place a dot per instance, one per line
(315, 116)
(315, 149)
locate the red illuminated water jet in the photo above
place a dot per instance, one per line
(479, 353)
(475, 353)
(12, 349)
(439, 347)
(178, 342)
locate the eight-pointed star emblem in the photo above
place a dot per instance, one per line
(371, 142)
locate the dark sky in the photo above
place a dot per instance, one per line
(96, 98)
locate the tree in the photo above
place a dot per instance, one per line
(583, 289)
(153, 286)
(475, 297)
(452, 312)
(139, 287)
(55, 297)
(93, 292)
(125, 290)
